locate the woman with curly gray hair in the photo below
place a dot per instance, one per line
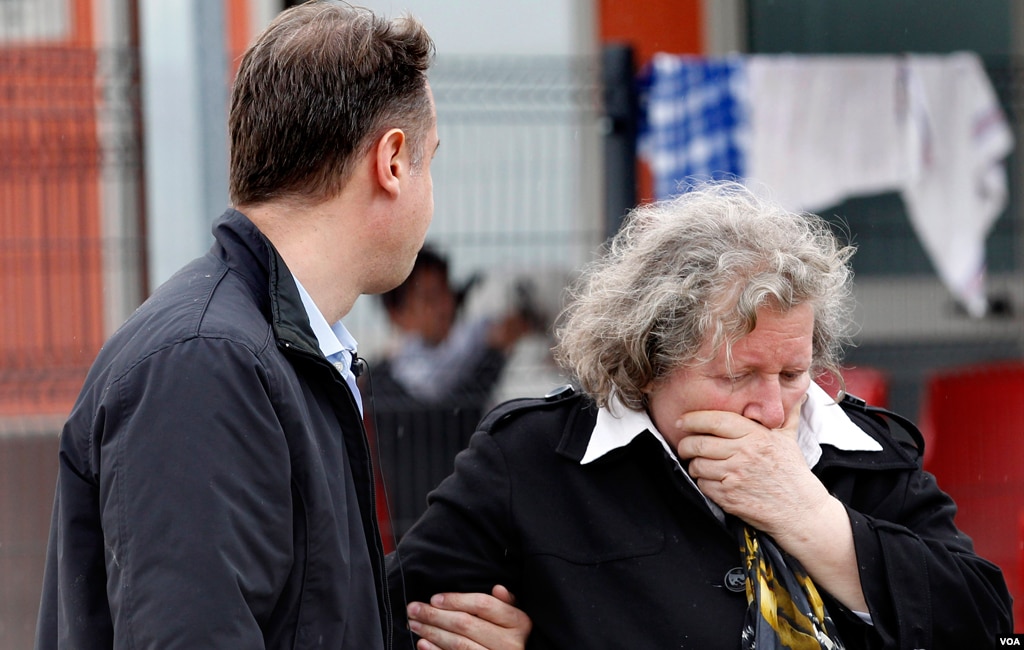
(698, 268)
(702, 491)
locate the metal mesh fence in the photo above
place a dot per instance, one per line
(517, 199)
(517, 189)
(70, 258)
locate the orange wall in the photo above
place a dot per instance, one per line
(238, 16)
(651, 26)
(51, 268)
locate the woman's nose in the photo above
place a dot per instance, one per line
(764, 404)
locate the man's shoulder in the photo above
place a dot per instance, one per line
(200, 302)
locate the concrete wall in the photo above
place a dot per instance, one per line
(27, 471)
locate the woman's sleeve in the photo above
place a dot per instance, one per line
(465, 541)
(924, 584)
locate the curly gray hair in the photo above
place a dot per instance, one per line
(693, 269)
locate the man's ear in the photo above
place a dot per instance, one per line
(391, 162)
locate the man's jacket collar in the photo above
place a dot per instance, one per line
(248, 250)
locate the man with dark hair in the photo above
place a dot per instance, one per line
(440, 359)
(215, 488)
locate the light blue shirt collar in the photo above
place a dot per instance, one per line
(335, 341)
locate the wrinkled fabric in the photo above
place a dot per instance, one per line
(784, 608)
(816, 130)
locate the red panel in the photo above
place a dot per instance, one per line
(651, 26)
(973, 418)
(869, 384)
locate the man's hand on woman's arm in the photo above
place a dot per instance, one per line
(458, 621)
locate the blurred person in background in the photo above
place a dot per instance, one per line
(439, 358)
(214, 485)
(699, 490)
(425, 396)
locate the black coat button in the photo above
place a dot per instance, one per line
(736, 580)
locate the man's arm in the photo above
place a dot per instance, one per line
(195, 499)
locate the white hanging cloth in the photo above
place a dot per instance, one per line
(816, 130)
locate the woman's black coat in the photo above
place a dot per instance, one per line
(623, 553)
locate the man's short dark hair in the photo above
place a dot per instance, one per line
(322, 83)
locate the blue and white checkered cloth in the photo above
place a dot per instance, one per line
(693, 120)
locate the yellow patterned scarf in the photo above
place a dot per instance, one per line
(784, 608)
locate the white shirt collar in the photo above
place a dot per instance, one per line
(822, 422)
